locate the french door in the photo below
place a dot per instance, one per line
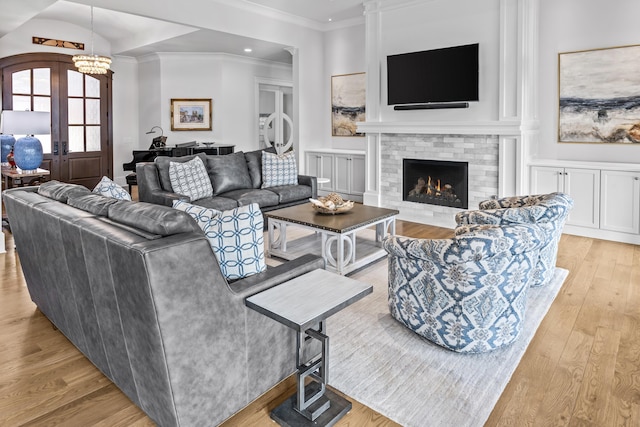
(78, 149)
(276, 110)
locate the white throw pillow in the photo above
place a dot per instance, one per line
(279, 169)
(106, 187)
(191, 179)
(236, 237)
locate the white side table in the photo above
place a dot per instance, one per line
(304, 303)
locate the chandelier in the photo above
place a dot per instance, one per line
(92, 64)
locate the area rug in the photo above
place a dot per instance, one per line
(382, 364)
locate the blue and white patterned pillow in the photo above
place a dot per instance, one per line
(279, 169)
(106, 187)
(191, 179)
(236, 237)
(202, 215)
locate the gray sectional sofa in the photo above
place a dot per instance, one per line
(137, 289)
(236, 179)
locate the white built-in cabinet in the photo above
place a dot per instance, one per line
(620, 201)
(606, 196)
(583, 185)
(344, 169)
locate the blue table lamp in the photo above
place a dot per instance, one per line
(27, 151)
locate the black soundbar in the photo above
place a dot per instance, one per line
(432, 106)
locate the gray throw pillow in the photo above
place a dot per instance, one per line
(228, 172)
(254, 163)
(61, 191)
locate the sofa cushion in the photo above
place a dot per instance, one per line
(162, 163)
(61, 191)
(106, 187)
(152, 218)
(291, 193)
(228, 172)
(279, 169)
(254, 163)
(190, 178)
(217, 202)
(263, 198)
(94, 203)
(236, 237)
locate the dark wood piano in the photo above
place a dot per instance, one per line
(142, 156)
(177, 151)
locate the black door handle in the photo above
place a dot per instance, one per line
(55, 148)
(64, 148)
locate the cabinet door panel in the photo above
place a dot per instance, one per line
(326, 171)
(357, 175)
(545, 179)
(620, 201)
(342, 167)
(583, 185)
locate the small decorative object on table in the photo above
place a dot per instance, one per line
(11, 160)
(332, 203)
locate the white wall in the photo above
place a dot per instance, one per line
(125, 114)
(344, 53)
(444, 23)
(229, 81)
(571, 25)
(19, 40)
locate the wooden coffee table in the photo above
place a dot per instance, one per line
(335, 237)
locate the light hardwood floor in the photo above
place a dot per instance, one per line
(581, 369)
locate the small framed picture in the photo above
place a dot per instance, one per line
(190, 114)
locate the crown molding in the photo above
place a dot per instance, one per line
(215, 56)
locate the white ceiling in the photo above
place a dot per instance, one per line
(134, 35)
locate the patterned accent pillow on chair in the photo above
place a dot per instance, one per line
(106, 187)
(279, 169)
(236, 237)
(191, 179)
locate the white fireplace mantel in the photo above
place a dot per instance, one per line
(502, 128)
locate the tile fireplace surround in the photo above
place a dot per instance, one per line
(481, 151)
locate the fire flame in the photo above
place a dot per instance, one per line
(433, 189)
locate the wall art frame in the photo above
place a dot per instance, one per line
(191, 114)
(348, 99)
(599, 96)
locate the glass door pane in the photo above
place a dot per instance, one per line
(83, 112)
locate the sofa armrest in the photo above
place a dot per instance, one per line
(276, 275)
(149, 188)
(312, 182)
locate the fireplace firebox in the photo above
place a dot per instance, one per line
(436, 182)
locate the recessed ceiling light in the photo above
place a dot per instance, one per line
(248, 49)
(330, 19)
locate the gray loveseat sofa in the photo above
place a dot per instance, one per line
(236, 179)
(137, 289)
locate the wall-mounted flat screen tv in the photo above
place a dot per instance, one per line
(440, 75)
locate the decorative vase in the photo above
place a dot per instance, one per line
(7, 142)
(27, 153)
(10, 159)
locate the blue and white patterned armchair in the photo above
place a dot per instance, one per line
(550, 211)
(468, 293)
